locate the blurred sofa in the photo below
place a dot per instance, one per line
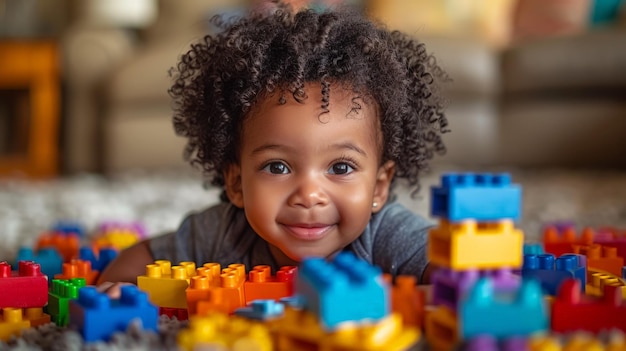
(558, 101)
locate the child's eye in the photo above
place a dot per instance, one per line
(340, 168)
(276, 168)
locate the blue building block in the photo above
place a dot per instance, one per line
(503, 314)
(346, 289)
(482, 197)
(69, 227)
(97, 317)
(551, 272)
(262, 310)
(48, 258)
(105, 256)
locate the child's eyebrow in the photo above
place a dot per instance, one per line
(345, 145)
(265, 147)
(350, 146)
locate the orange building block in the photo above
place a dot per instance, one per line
(36, 317)
(12, 323)
(209, 293)
(78, 268)
(442, 331)
(596, 280)
(407, 300)
(472, 245)
(562, 243)
(166, 284)
(68, 245)
(261, 285)
(601, 257)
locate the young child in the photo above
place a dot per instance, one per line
(305, 119)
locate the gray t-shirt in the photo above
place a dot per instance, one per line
(395, 240)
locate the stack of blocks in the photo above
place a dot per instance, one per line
(477, 246)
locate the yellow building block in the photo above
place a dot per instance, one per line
(468, 244)
(301, 330)
(220, 332)
(442, 332)
(166, 284)
(597, 279)
(12, 323)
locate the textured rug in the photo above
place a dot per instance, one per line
(160, 200)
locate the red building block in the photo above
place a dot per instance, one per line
(601, 257)
(179, 313)
(77, 268)
(26, 287)
(261, 285)
(68, 244)
(573, 311)
(559, 243)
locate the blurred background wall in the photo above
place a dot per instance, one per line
(535, 83)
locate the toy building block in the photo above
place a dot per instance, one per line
(118, 237)
(572, 311)
(450, 286)
(559, 243)
(262, 285)
(166, 284)
(213, 291)
(220, 332)
(12, 323)
(441, 327)
(503, 314)
(598, 279)
(261, 310)
(97, 317)
(78, 268)
(59, 296)
(487, 342)
(67, 244)
(551, 272)
(302, 330)
(346, 289)
(26, 287)
(472, 245)
(482, 197)
(67, 227)
(36, 317)
(99, 259)
(407, 299)
(179, 313)
(47, 257)
(601, 257)
(533, 248)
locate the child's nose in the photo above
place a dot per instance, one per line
(308, 193)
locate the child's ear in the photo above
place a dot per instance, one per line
(232, 178)
(383, 182)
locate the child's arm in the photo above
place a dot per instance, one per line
(130, 263)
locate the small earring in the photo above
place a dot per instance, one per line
(375, 204)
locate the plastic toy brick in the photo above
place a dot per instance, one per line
(261, 310)
(407, 299)
(262, 285)
(487, 342)
(598, 279)
(559, 243)
(572, 311)
(78, 268)
(35, 316)
(12, 323)
(601, 257)
(26, 287)
(482, 197)
(302, 330)
(344, 289)
(551, 272)
(533, 248)
(117, 238)
(68, 227)
(100, 259)
(220, 332)
(503, 314)
(66, 244)
(59, 296)
(472, 245)
(166, 284)
(179, 313)
(442, 331)
(97, 317)
(213, 291)
(450, 286)
(48, 258)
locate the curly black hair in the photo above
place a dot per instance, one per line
(219, 79)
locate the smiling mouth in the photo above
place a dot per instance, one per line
(308, 232)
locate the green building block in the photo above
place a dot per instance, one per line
(59, 296)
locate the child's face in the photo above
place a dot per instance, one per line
(308, 182)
